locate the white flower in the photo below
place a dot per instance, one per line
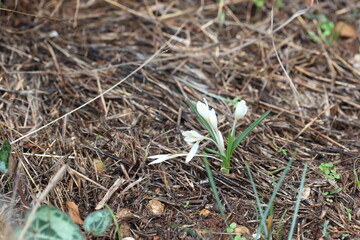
(164, 157)
(240, 110)
(192, 136)
(207, 114)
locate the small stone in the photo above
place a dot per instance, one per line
(155, 207)
(123, 214)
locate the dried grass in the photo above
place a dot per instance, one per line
(99, 43)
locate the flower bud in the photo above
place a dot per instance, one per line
(240, 110)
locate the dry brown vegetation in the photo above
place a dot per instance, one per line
(57, 55)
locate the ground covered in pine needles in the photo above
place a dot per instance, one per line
(56, 56)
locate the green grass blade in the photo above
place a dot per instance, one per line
(273, 195)
(247, 131)
(215, 192)
(281, 226)
(297, 206)
(209, 150)
(258, 204)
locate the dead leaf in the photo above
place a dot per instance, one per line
(343, 29)
(99, 165)
(242, 230)
(205, 213)
(74, 213)
(305, 193)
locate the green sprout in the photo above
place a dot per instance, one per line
(259, 3)
(326, 227)
(327, 169)
(326, 30)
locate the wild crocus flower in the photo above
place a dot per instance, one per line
(207, 114)
(240, 110)
(192, 137)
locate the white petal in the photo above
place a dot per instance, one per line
(241, 110)
(202, 109)
(164, 157)
(220, 140)
(192, 136)
(213, 119)
(192, 152)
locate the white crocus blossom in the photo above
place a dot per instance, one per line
(240, 110)
(192, 136)
(207, 114)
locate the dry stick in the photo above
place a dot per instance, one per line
(313, 120)
(105, 92)
(48, 188)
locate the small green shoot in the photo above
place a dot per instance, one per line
(231, 229)
(348, 211)
(4, 156)
(325, 230)
(327, 169)
(259, 3)
(357, 180)
(186, 204)
(325, 28)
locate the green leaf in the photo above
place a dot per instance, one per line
(233, 225)
(50, 223)
(98, 222)
(4, 156)
(230, 230)
(247, 131)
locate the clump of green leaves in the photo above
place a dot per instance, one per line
(325, 29)
(327, 169)
(231, 229)
(329, 193)
(326, 228)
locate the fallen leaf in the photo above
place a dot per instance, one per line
(343, 29)
(99, 165)
(123, 214)
(205, 212)
(305, 193)
(74, 213)
(242, 230)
